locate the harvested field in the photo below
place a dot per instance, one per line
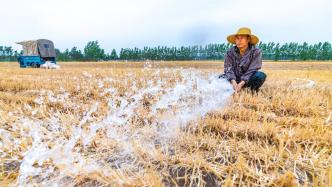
(164, 124)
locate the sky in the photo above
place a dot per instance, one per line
(138, 23)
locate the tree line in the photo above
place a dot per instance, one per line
(270, 51)
(8, 54)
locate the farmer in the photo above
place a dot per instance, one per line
(243, 61)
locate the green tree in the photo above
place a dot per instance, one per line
(277, 52)
(93, 52)
(114, 55)
(326, 51)
(304, 51)
(76, 54)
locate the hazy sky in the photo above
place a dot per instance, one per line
(138, 23)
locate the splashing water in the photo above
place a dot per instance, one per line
(142, 118)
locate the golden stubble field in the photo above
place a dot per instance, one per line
(164, 124)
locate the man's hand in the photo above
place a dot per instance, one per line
(240, 86)
(234, 84)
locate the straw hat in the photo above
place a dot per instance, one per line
(243, 31)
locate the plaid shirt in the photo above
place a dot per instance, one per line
(239, 67)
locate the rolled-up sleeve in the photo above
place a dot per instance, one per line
(255, 65)
(228, 68)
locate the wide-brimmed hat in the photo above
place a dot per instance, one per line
(243, 31)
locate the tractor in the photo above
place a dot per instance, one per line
(36, 53)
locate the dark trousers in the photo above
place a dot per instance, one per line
(255, 81)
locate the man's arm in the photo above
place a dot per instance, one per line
(254, 66)
(228, 68)
(239, 86)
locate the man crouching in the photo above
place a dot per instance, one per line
(243, 61)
